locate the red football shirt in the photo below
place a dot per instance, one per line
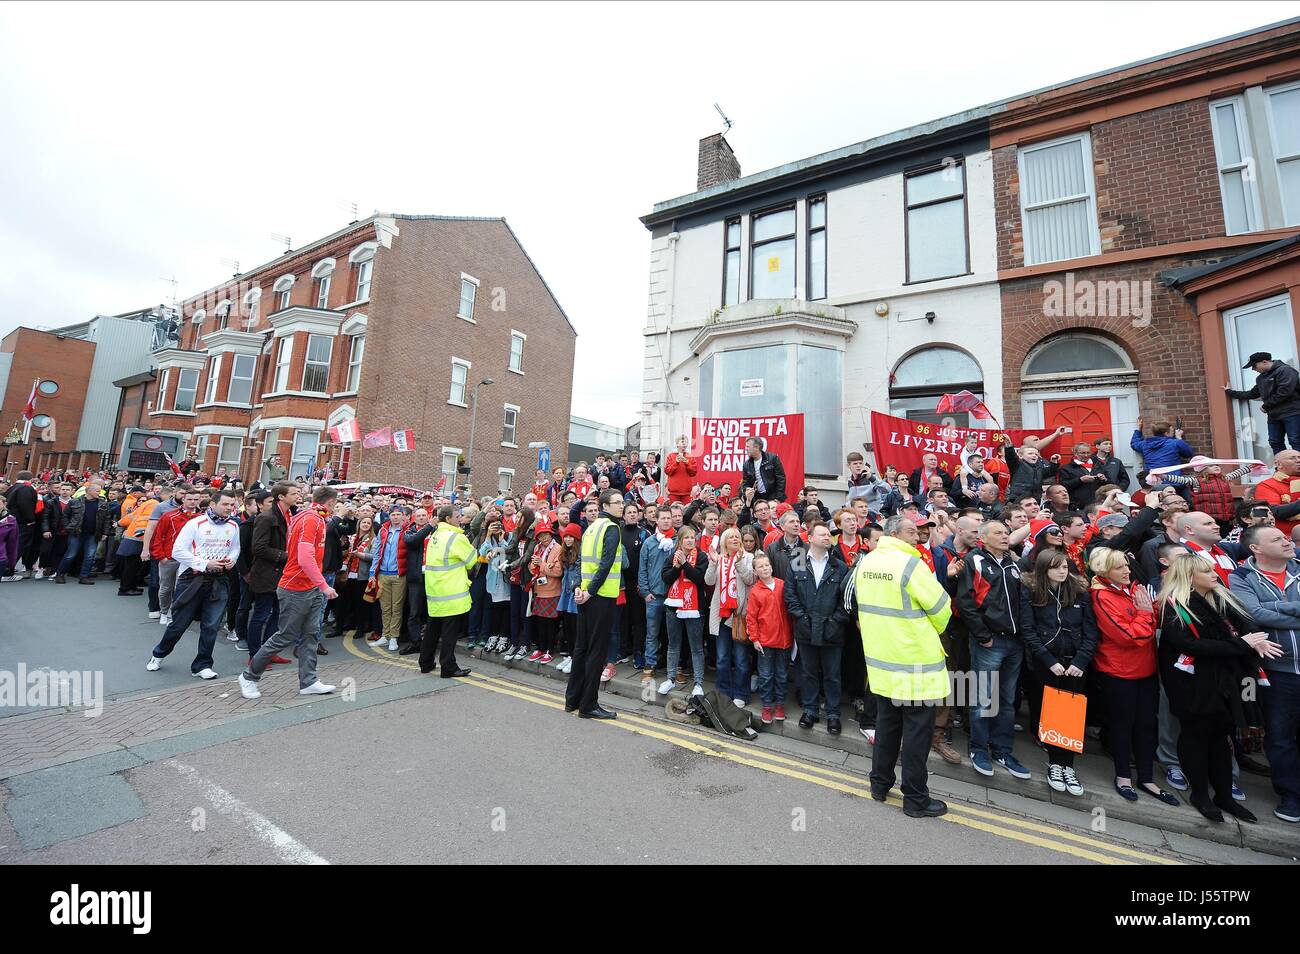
(305, 527)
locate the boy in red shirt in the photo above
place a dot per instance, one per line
(302, 594)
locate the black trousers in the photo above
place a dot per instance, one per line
(29, 546)
(440, 641)
(1206, 757)
(417, 608)
(1131, 709)
(591, 649)
(631, 634)
(130, 573)
(909, 727)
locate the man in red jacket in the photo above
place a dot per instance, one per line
(681, 469)
(1282, 488)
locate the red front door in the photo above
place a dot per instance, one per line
(1087, 418)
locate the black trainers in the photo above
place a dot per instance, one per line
(933, 810)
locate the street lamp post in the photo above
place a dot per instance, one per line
(473, 420)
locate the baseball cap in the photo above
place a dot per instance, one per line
(923, 520)
(1255, 358)
(1113, 520)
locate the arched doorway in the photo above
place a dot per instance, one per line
(924, 376)
(1085, 382)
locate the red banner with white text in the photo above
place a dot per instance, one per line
(902, 443)
(718, 445)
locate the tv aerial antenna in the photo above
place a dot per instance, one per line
(725, 121)
(287, 242)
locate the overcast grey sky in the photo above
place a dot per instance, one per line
(143, 141)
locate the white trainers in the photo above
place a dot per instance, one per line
(164, 620)
(205, 673)
(10, 579)
(666, 687)
(392, 645)
(233, 637)
(608, 672)
(1072, 783)
(740, 703)
(1056, 777)
(40, 574)
(153, 664)
(317, 688)
(565, 664)
(152, 614)
(248, 689)
(698, 690)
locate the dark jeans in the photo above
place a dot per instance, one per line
(1281, 698)
(130, 572)
(773, 667)
(819, 672)
(237, 587)
(82, 545)
(243, 611)
(998, 669)
(206, 599)
(595, 623)
(909, 727)
(154, 605)
(439, 641)
(1206, 757)
(1131, 707)
(521, 626)
(29, 546)
(733, 665)
(480, 608)
(632, 626)
(263, 621)
(1288, 427)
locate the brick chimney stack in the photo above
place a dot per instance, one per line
(717, 162)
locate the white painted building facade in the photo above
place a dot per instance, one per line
(862, 279)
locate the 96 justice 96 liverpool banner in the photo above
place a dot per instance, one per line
(718, 445)
(902, 443)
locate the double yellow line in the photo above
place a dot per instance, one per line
(722, 747)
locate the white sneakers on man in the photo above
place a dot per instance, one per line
(248, 689)
(153, 614)
(205, 674)
(317, 688)
(392, 645)
(153, 664)
(164, 620)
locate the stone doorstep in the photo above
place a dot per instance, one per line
(1270, 836)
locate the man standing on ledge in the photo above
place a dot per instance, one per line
(596, 596)
(301, 594)
(763, 475)
(448, 555)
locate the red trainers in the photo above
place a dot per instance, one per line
(767, 716)
(375, 637)
(780, 713)
(281, 660)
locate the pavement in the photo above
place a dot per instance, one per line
(485, 769)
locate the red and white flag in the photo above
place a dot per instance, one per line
(379, 438)
(404, 441)
(346, 433)
(442, 482)
(176, 468)
(29, 410)
(963, 401)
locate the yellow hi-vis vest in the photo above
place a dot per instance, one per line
(902, 609)
(593, 540)
(448, 555)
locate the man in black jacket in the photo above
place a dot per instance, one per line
(815, 601)
(988, 599)
(1114, 469)
(417, 601)
(1277, 388)
(253, 504)
(1028, 470)
(1081, 477)
(763, 476)
(270, 539)
(21, 500)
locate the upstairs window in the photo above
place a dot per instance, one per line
(1233, 152)
(316, 371)
(214, 374)
(817, 248)
(240, 390)
(771, 257)
(1058, 205)
(363, 281)
(731, 263)
(936, 223)
(187, 388)
(284, 358)
(511, 426)
(354, 362)
(517, 339)
(468, 292)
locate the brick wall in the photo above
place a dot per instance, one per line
(67, 361)
(414, 332)
(1156, 181)
(1167, 354)
(717, 163)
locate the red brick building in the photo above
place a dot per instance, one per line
(393, 320)
(1110, 188)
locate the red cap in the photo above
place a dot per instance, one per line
(542, 526)
(783, 508)
(572, 530)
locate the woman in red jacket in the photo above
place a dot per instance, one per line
(1125, 663)
(680, 468)
(768, 628)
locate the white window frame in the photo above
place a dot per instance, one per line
(308, 364)
(451, 396)
(323, 291)
(454, 453)
(229, 464)
(514, 428)
(252, 307)
(1278, 160)
(161, 401)
(283, 363)
(356, 355)
(365, 275)
(1248, 165)
(1094, 233)
(201, 450)
(285, 295)
(474, 283)
(193, 392)
(509, 474)
(523, 342)
(293, 453)
(214, 376)
(235, 376)
(1240, 408)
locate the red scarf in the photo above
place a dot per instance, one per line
(1085, 464)
(727, 587)
(1223, 564)
(850, 549)
(683, 594)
